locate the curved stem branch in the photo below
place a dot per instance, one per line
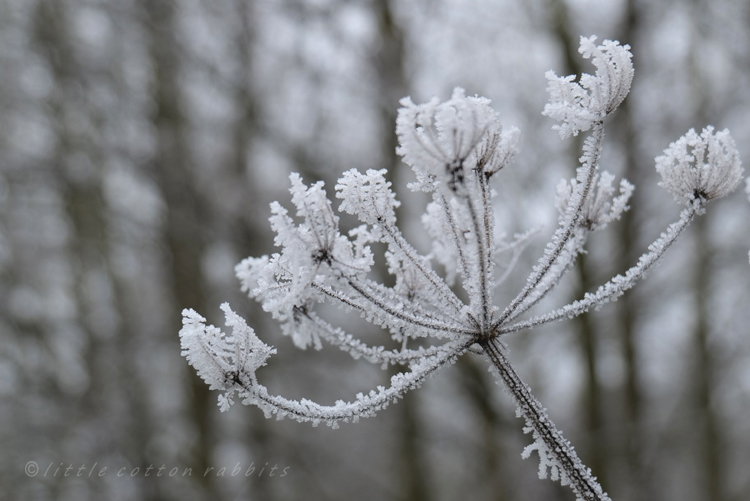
(364, 406)
(561, 267)
(435, 327)
(457, 235)
(437, 283)
(484, 242)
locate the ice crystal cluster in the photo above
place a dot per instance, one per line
(456, 148)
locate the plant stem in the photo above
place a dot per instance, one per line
(557, 448)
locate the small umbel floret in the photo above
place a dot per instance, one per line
(700, 167)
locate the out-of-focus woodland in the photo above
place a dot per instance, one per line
(141, 142)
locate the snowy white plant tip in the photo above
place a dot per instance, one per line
(579, 105)
(703, 166)
(225, 362)
(456, 148)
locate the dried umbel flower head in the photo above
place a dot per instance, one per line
(700, 167)
(578, 105)
(601, 209)
(455, 148)
(444, 142)
(226, 362)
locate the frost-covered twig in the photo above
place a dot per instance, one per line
(456, 148)
(364, 405)
(320, 329)
(555, 452)
(228, 363)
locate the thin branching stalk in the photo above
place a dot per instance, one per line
(594, 145)
(619, 284)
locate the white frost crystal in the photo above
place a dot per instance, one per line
(368, 195)
(705, 166)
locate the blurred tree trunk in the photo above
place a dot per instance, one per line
(496, 482)
(626, 308)
(704, 370)
(49, 38)
(704, 367)
(87, 212)
(239, 224)
(186, 218)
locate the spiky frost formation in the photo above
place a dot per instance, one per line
(226, 362)
(579, 105)
(705, 166)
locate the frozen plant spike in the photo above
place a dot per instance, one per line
(578, 105)
(456, 149)
(705, 166)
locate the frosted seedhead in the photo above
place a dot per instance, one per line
(700, 167)
(225, 361)
(579, 105)
(313, 251)
(602, 207)
(443, 142)
(369, 196)
(498, 149)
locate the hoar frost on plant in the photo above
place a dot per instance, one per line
(600, 209)
(706, 165)
(456, 149)
(578, 105)
(224, 361)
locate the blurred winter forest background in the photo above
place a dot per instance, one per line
(141, 142)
